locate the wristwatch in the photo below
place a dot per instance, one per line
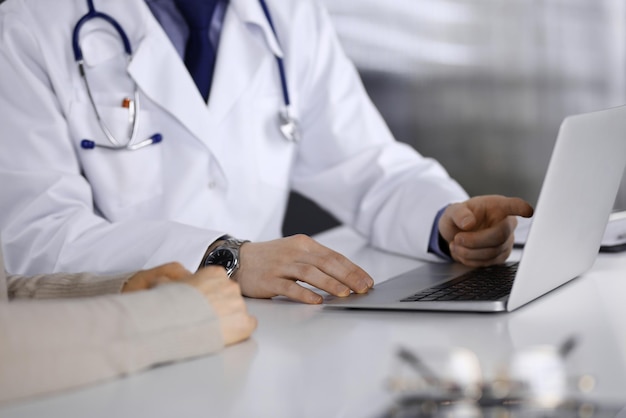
(226, 255)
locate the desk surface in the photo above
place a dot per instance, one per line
(311, 361)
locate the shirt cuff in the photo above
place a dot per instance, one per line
(437, 245)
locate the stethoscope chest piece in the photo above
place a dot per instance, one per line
(289, 126)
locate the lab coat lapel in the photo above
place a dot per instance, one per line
(162, 76)
(156, 64)
(241, 52)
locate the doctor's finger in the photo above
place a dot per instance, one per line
(339, 268)
(477, 257)
(456, 217)
(292, 290)
(315, 277)
(513, 206)
(489, 237)
(480, 257)
(491, 209)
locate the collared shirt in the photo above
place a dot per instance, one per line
(175, 26)
(435, 238)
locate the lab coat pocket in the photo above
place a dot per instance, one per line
(120, 179)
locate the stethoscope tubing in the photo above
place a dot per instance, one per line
(288, 123)
(134, 106)
(279, 60)
(94, 14)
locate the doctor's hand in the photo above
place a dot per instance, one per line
(480, 230)
(273, 268)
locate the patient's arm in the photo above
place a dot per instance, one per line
(63, 285)
(53, 345)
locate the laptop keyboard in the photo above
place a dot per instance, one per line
(484, 283)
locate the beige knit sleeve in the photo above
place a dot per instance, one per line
(63, 285)
(48, 346)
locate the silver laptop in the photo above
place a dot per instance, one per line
(570, 218)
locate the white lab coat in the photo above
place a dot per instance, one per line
(221, 168)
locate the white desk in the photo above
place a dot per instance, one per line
(309, 361)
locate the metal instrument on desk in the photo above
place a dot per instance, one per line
(535, 384)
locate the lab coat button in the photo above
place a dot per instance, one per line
(212, 185)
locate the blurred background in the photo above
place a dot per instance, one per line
(481, 85)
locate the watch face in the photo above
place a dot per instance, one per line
(221, 257)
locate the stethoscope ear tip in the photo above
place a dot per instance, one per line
(156, 138)
(87, 144)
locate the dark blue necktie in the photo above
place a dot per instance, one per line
(199, 52)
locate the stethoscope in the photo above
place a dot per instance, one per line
(288, 123)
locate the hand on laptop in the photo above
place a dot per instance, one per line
(274, 268)
(480, 230)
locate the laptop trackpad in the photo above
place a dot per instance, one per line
(396, 288)
(425, 276)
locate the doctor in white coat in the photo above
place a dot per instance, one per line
(222, 167)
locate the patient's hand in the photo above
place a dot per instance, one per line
(225, 297)
(146, 279)
(223, 294)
